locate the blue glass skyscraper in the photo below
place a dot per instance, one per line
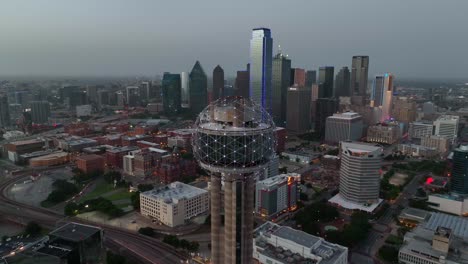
(261, 56)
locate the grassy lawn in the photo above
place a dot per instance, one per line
(99, 190)
(120, 195)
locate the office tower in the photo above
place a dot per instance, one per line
(447, 126)
(91, 93)
(298, 77)
(359, 172)
(102, 98)
(234, 140)
(459, 177)
(276, 195)
(298, 109)
(382, 94)
(171, 93)
(261, 56)
(418, 130)
(429, 108)
(313, 103)
(325, 82)
(185, 86)
(242, 84)
(4, 111)
(145, 91)
(342, 83)
(198, 92)
(359, 75)
(280, 84)
(40, 112)
(404, 109)
(311, 78)
(218, 83)
(23, 98)
(76, 98)
(66, 92)
(325, 107)
(386, 133)
(132, 95)
(342, 127)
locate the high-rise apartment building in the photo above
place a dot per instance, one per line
(40, 112)
(276, 195)
(298, 77)
(198, 89)
(325, 107)
(218, 83)
(298, 109)
(171, 92)
(325, 81)
(359, 75)
(4, 111)
(280, 84)
(359, 172)
(132, 95)
(343, 127)
(311, 78)
(342, 83)
(242, 84)
(447, 126)
(261, 56)
(234, 141)
(459, 177)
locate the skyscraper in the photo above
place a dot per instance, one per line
(133, 95)
(281, 76)
(359, 172)
(261, 56)
(40, 111)
(342, 83)
(242, 84)
(4, 111)
(325, 82)
(234, 140)
(218, 83)
(459, 177)
(325, 107)
(342, 127)
(198, 89)
(298, 77)
(382, 94)
(171, 93)
(359, 75)
(298, 110)
(311, 78)
(185, 89)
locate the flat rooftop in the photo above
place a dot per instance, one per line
(346, 115)
(75, 232)
(269, 182)
(339, 200)
(359, 147)
(174, 192)
(457, 224)
(415, 214)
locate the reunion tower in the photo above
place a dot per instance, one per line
(234, 141)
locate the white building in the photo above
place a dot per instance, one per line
(83, 110)
(277, 195)
(418, 150)
(359, 176)
(344, 126)
(174, 204)
(449, 203)
(447, 125)
(275, 244)
(128, 162)
(419, 129)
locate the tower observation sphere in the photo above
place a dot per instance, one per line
(234, 140)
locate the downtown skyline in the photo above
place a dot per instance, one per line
(72, 42)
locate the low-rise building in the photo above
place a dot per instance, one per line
(114, 156)
(52, 159)
(17, 148)
(441, 143)
(300, 156)
(418, 130)
(75, 144)
(277, 195)
(174, 204)
(449, 203)
(386, 133)
(90, 163)
(417, 150)
(282, 244)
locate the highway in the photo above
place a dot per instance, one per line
(143, 248)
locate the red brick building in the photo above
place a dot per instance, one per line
(114, 157)
(90, 163)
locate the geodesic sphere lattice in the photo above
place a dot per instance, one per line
(233, 133)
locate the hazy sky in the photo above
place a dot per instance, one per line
(411, 38)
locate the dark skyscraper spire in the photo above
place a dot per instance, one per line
(218, 82)
(198, 89)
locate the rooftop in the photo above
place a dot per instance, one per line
(270, 182)
(174, 192)
(457, 224)
(448, 118)
(359, 147)
(346, 115)
(90, 157)
(339, 200)
(415, 214)
(75, 232)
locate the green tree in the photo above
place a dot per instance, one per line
(32, 229)
(112, 176)
(147, 231)
(115, 258)
(135, 200)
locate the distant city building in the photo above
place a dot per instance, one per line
(198, 89)
(386, 133)
(17, 148)
(145, 91)
(313, 104)
(459, 177)
(325, 107)
(261, 56)
(343, 127)
(429, 108)
(4, 111)
(418, 130)
(103, 98)
(342, 83)
(298, 109)
(52, 159)
(40, 112)
(325, 82)
(277, 195)
(382, 95)
(174, 204)
(297, 77)
(132, 95)
(359, 75)
(418, 150)
(218, 83)
(282, 244)
(442, 144)
(359, 176)
(242, 84)
(404, 110)
(171, 93)
(185, 89)
(447, 126)
(280, 84)
(83, 110)
(311, 78)
(90, 163)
